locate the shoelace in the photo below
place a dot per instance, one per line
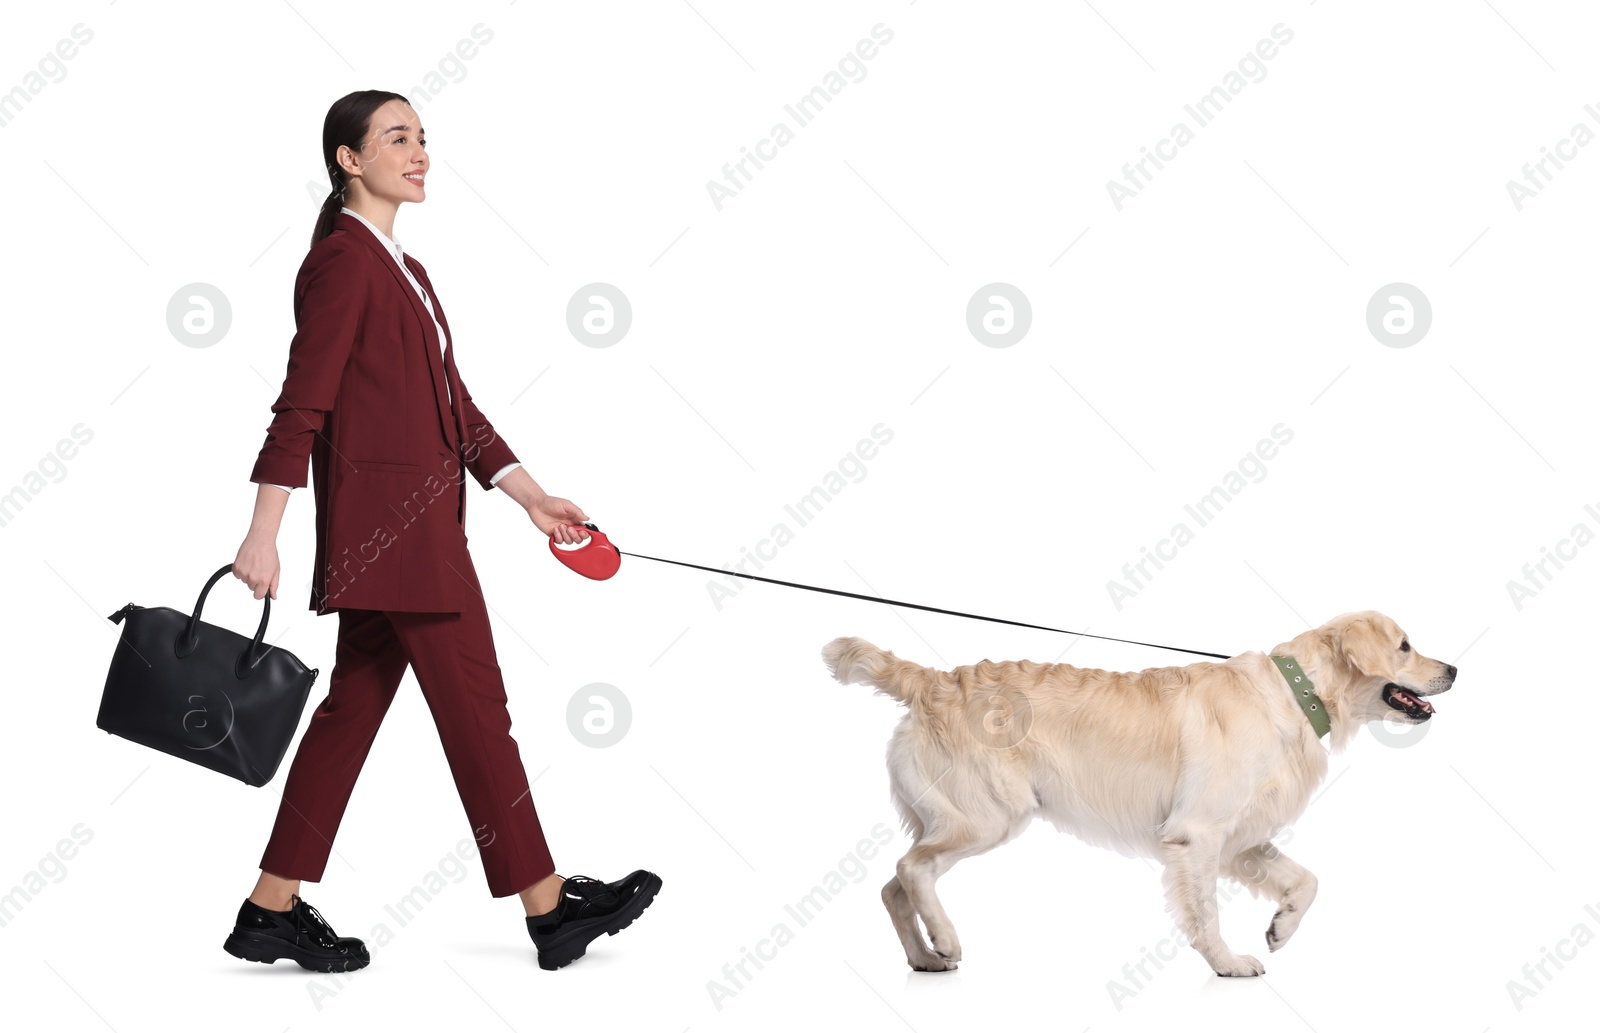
(302, 911)
(587, 890)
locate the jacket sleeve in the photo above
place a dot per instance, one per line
(485, 451)
(331, 292)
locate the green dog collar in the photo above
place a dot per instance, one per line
(1304, 694)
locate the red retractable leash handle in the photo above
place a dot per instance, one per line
(596, 558)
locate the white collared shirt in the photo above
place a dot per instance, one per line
(393, 247)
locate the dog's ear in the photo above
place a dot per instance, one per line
(1365, 649)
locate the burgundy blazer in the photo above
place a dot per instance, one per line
(365, 401)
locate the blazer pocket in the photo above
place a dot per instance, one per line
(383, 467)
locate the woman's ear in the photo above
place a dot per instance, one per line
(1364, 649)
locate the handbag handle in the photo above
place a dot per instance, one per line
(190, 639)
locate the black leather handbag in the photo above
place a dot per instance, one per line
(204, 693)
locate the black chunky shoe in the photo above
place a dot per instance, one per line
(587, 908)
(300, 934)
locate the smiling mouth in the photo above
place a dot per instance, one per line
(1407, 702)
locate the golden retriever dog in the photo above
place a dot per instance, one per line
(1195, 766)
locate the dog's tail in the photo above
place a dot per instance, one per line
(856, 661)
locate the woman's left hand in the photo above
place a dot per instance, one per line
(559, 518)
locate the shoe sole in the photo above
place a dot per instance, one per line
(267, 949)
(560, 955)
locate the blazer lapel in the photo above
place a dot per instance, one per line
(436, 366)
(452, 376)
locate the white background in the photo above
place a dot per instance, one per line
(768, 337)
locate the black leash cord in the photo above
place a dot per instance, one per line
(931, 609)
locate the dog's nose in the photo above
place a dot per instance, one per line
(1450, 671)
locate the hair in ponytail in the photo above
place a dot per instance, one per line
(347, 124)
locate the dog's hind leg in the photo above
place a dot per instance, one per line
(895, 899)
(1267, 871)
(1190, 878)
(916, 872)
(918, 954)
(922, 865)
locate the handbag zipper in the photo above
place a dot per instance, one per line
(116, 618)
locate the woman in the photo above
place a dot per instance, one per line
(374, 403)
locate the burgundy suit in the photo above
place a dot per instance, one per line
(366, 401)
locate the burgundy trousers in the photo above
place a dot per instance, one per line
(454, 660)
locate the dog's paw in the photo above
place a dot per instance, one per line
(1239, 965)
(947, 947)
(932, 963)
(1284, 923)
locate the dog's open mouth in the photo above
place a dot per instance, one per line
(1406, 701)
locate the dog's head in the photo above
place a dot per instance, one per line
(1383, 671)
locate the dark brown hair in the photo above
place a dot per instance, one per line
(347, 123)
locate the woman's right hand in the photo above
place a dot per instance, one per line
(257, 565)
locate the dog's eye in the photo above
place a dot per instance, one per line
(1405, 645)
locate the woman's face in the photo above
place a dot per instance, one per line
(393, 158)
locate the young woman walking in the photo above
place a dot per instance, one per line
(373, 402)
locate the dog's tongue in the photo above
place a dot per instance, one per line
(1412, 699)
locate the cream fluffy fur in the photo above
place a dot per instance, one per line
(1196, 766)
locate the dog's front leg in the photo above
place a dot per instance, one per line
(1190, 879)
(1267, 871)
